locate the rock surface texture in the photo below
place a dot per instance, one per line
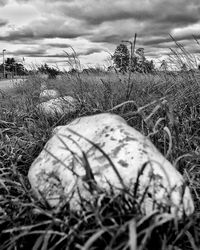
(49, 94)
(76, 154)
(58, 106)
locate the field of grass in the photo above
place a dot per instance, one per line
(165, 107)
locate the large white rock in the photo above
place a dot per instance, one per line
(60, 173)
(58, 106)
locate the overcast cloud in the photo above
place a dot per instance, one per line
(41, 29)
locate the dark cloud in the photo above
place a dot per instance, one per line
(45, 1)
(107, 23)
(56, 27)
(60, 1)
(29, 52)
(23, 1)
(154, 20)
(23, 34)
(63, 55)
(169, 41)
(170, 15)
(44, 30)
(113, 39)
(42, 52)
(86, 52)
(3, 22)
(3, 2)
(90, 51)
(180, 18)
(105, 16)
(156, 41)
(95, 12)
(59, 45)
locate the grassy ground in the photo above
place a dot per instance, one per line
(163, 106)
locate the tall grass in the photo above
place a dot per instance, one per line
(164, 107)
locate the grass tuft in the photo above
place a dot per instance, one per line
(164, 107)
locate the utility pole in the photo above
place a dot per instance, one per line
(4, 63)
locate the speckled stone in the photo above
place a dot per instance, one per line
(49, 94)
(59, 106)
(60, 173)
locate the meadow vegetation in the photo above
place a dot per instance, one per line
(163, 106)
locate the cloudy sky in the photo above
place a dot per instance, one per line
(43, 30)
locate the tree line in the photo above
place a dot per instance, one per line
(136, 62)
(12, 67)
(123, 60)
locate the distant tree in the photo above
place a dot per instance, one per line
(13, 67)
(73, 71)
(50, 71)
(121, 58)
(149, 66)
(140, 63)
(164, 65)
(10, 64)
